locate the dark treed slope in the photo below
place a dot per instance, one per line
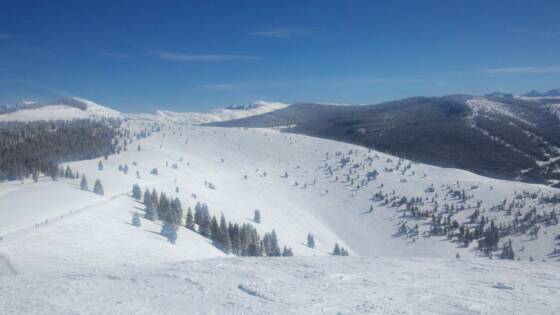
(501, 137)
(30, 147)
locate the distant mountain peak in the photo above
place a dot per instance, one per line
(549, 93)
(498, 94)
(256, 104)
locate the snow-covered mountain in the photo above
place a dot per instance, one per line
(405, 224)
(550, 93)
(64, 109)
(77, 108)
(495, 135)
(222, 114)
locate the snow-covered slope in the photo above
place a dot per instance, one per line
(309, 200)
(66, 109)
(297, 285)
(55, 235)
(222, 114)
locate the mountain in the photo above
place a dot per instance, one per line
(499, 95)
(394, 216)
(502, 137)
(551, 93)
(77, 108)
(222, 114)
(64, 109)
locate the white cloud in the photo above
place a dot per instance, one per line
(286, 32)
(174, 56)
(523, 70)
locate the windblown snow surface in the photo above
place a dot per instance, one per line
(67, 251)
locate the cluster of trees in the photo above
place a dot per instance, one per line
(97, 186)
(28, 148)
(339, 251)
(241, 240)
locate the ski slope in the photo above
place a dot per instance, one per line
(297, 285)
(55, 235)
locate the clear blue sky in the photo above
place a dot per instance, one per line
(142, 55)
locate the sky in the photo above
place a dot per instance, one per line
(197, 55)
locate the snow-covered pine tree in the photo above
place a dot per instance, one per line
(68, 172)
(287, 251)
(336, 250)
(34, 175)
(98, 188)
(136, 219)
(176, 211)
(257, 216)
(164, 209)
(310, 240)
(155, 200)
(215, 234)
(274, 246)
(84, 183)
(136, 192)
(100, 166)
(169, 231)
(190, 220)
(224, 235)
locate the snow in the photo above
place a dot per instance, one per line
(481, 105)
(222, 114)
(298, 285)
(61, 111)
(66, 251)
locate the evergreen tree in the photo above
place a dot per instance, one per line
(190, 220)
(68, 172)
(336, 250)
(35, 176)
(169, 230)
(177, 211)
(224, 235)
(257, 216)
(310, 240)
(164, 209)
(274, 246)
(98, 188)
(215, 234)
(287, 252)
(136, 219)
(136, 192)
(84, 183)
(147, 197)
(100, 166)
(154, 197)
